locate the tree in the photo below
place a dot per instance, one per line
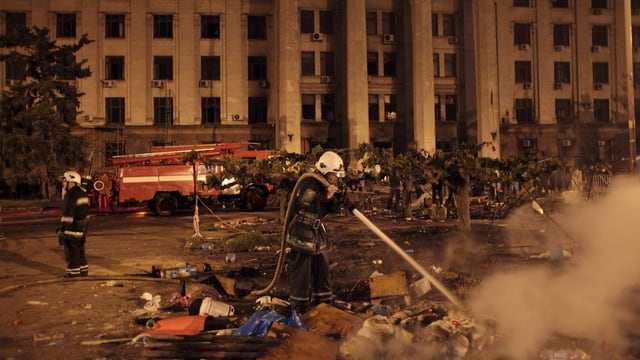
(38, 114)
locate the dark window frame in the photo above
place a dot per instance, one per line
(114, 26)
(257, 68)
(114, 110)
(66, 25)
(256, 27)
(210, 110)
(114, 67)
(210, 67)
(163, 26)
(162, 67)
(210, 26)
(163, 111)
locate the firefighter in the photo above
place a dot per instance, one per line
(72, 232)
(308, 268)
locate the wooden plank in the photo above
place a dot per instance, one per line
(327, 320)
(300, 345)
(390, 285)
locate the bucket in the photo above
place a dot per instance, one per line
(215, 308)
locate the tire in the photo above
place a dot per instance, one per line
(164, 204)
(256, 198)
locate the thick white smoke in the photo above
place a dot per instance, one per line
(583, 297)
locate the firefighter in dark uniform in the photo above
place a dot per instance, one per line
(72, 232)
(308, 269)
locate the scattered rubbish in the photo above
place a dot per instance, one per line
(207, 246)
(564, 354)
(55, 339)
(260, 322)
(36, 302)
(409, 251)
(179, 272)
(377, 262)
(153, 302)
(181, 325)
(17, 322)
(215, 308)
(420, 287)
(230, 258)
(271, 303)
(328, 320)
(262, 248)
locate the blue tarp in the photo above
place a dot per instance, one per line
(260, 322)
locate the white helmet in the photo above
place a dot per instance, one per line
(330, 162)
(72, 176)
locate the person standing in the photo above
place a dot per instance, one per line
(72, 232)
(315, 197)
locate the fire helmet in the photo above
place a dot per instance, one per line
(72, 176)
(330, 162)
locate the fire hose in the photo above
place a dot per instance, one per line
(437, 284)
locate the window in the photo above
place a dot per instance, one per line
(210, 110)
(162, 111)
(522, 34)
(561, 34)
(308, 107)
(15, 22)
(114, 110)
(450, 108)
(635, 36)
(326, 21)
(599, 35)
(372, 64)
(388, 23)
(326, 63)
(524, 111)
(374, 112)
(562, 72)
(598, 4)
(564, 113)
(448, 25)
(113, 148)
(308, 63)
(437, 110)
(162, 68)
(210, 68)
(114, 67)
(372, 23)
(328, 107)
(449, 65)
(560, 3)
(523, 71)
(257, 110)
(601, 110)
(436, 65)
(434, 24)
(390, 107)
(527, 144)
(635, 4)
(521, 3)
(113, 26)
(636, 79)
(257, 67)
(257, 27)
(210, 26)
(68, 67)
(15, 70)
(307, 24)
(390, 64)
(162, 26)
(601, 72)
(66, 25)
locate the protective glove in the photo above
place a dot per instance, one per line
(60, 232)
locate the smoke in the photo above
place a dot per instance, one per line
(583, 297)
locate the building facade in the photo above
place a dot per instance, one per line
(291, 74)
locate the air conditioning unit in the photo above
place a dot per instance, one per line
(388, 38)
(565, 142)
(88, 118)
(236, 117)
(453, 40)
(324, 79)
(557, 85)
(597, 86)
(204, 83)
(524, 46)
(526, 85)
(596, 11)
(157, 84)
(108, 83)
(316, 37)
(595, 48)
(263, 84)
(557, 48)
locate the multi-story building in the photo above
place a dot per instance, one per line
(291, 74)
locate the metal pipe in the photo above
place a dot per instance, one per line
(406, 257)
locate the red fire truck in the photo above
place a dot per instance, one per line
(161, 179)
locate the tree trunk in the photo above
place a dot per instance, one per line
(406, 198)
(461, 199)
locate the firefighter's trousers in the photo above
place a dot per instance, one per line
(308, 276)
(75, 256)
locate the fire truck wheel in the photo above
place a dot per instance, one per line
(164, 204)
(256, 198)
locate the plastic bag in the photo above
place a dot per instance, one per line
(260, 322)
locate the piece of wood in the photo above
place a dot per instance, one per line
(388, 285)
(327, 320)
(300, 345)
